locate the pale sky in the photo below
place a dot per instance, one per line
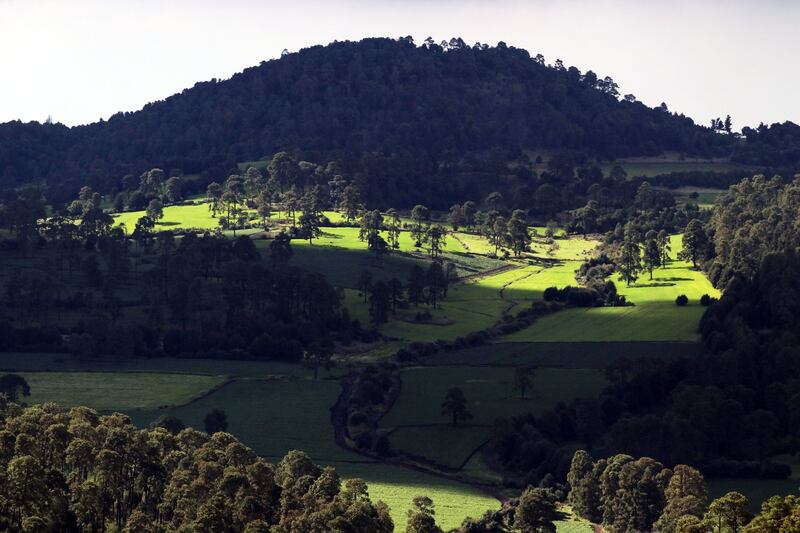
(82, 60)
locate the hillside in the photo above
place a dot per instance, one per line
(419, 122)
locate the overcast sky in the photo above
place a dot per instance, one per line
(81, 60)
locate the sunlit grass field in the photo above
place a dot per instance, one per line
(653, 317)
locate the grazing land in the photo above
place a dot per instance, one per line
(652, 317)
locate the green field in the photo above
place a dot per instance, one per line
(418, 426)
(108, 391)
(653, 317)
(195, 215)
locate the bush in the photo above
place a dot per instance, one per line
(707, 300)
(550, 294)
(681, 300)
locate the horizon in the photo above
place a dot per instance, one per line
(90, 60)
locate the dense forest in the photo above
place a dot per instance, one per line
(77, 471)
(415, 124)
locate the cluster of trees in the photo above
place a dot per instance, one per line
(755, 217)
(148, 293)
(152, 188)
(301, 189)
(626, 494)
(77, 471)
(348, 102)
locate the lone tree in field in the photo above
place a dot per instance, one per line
(518, 236)
(155, 210)
(350, 203)
(523, 378)
(422, 516)
(14, 385)
(393, 228)
(499, 233)
(371, 224)
(216, 421)
(310, 225)
(694, 242)
(213, 196)
(663, 246)
(419, 218)
(264, 208)
(652, 253)
(629, 261)
(436, 240)
(455, 406)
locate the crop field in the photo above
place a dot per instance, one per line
(420, 428)
(653, 317)
(106, 391)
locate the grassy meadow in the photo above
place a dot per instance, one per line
(653, 317)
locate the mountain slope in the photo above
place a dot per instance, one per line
(422, 109)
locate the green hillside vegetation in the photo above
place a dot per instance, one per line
(653, 317)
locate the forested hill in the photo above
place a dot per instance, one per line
(403, 114)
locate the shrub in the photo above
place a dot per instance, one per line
(550, 294)
(707, 300)
(681, 300)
